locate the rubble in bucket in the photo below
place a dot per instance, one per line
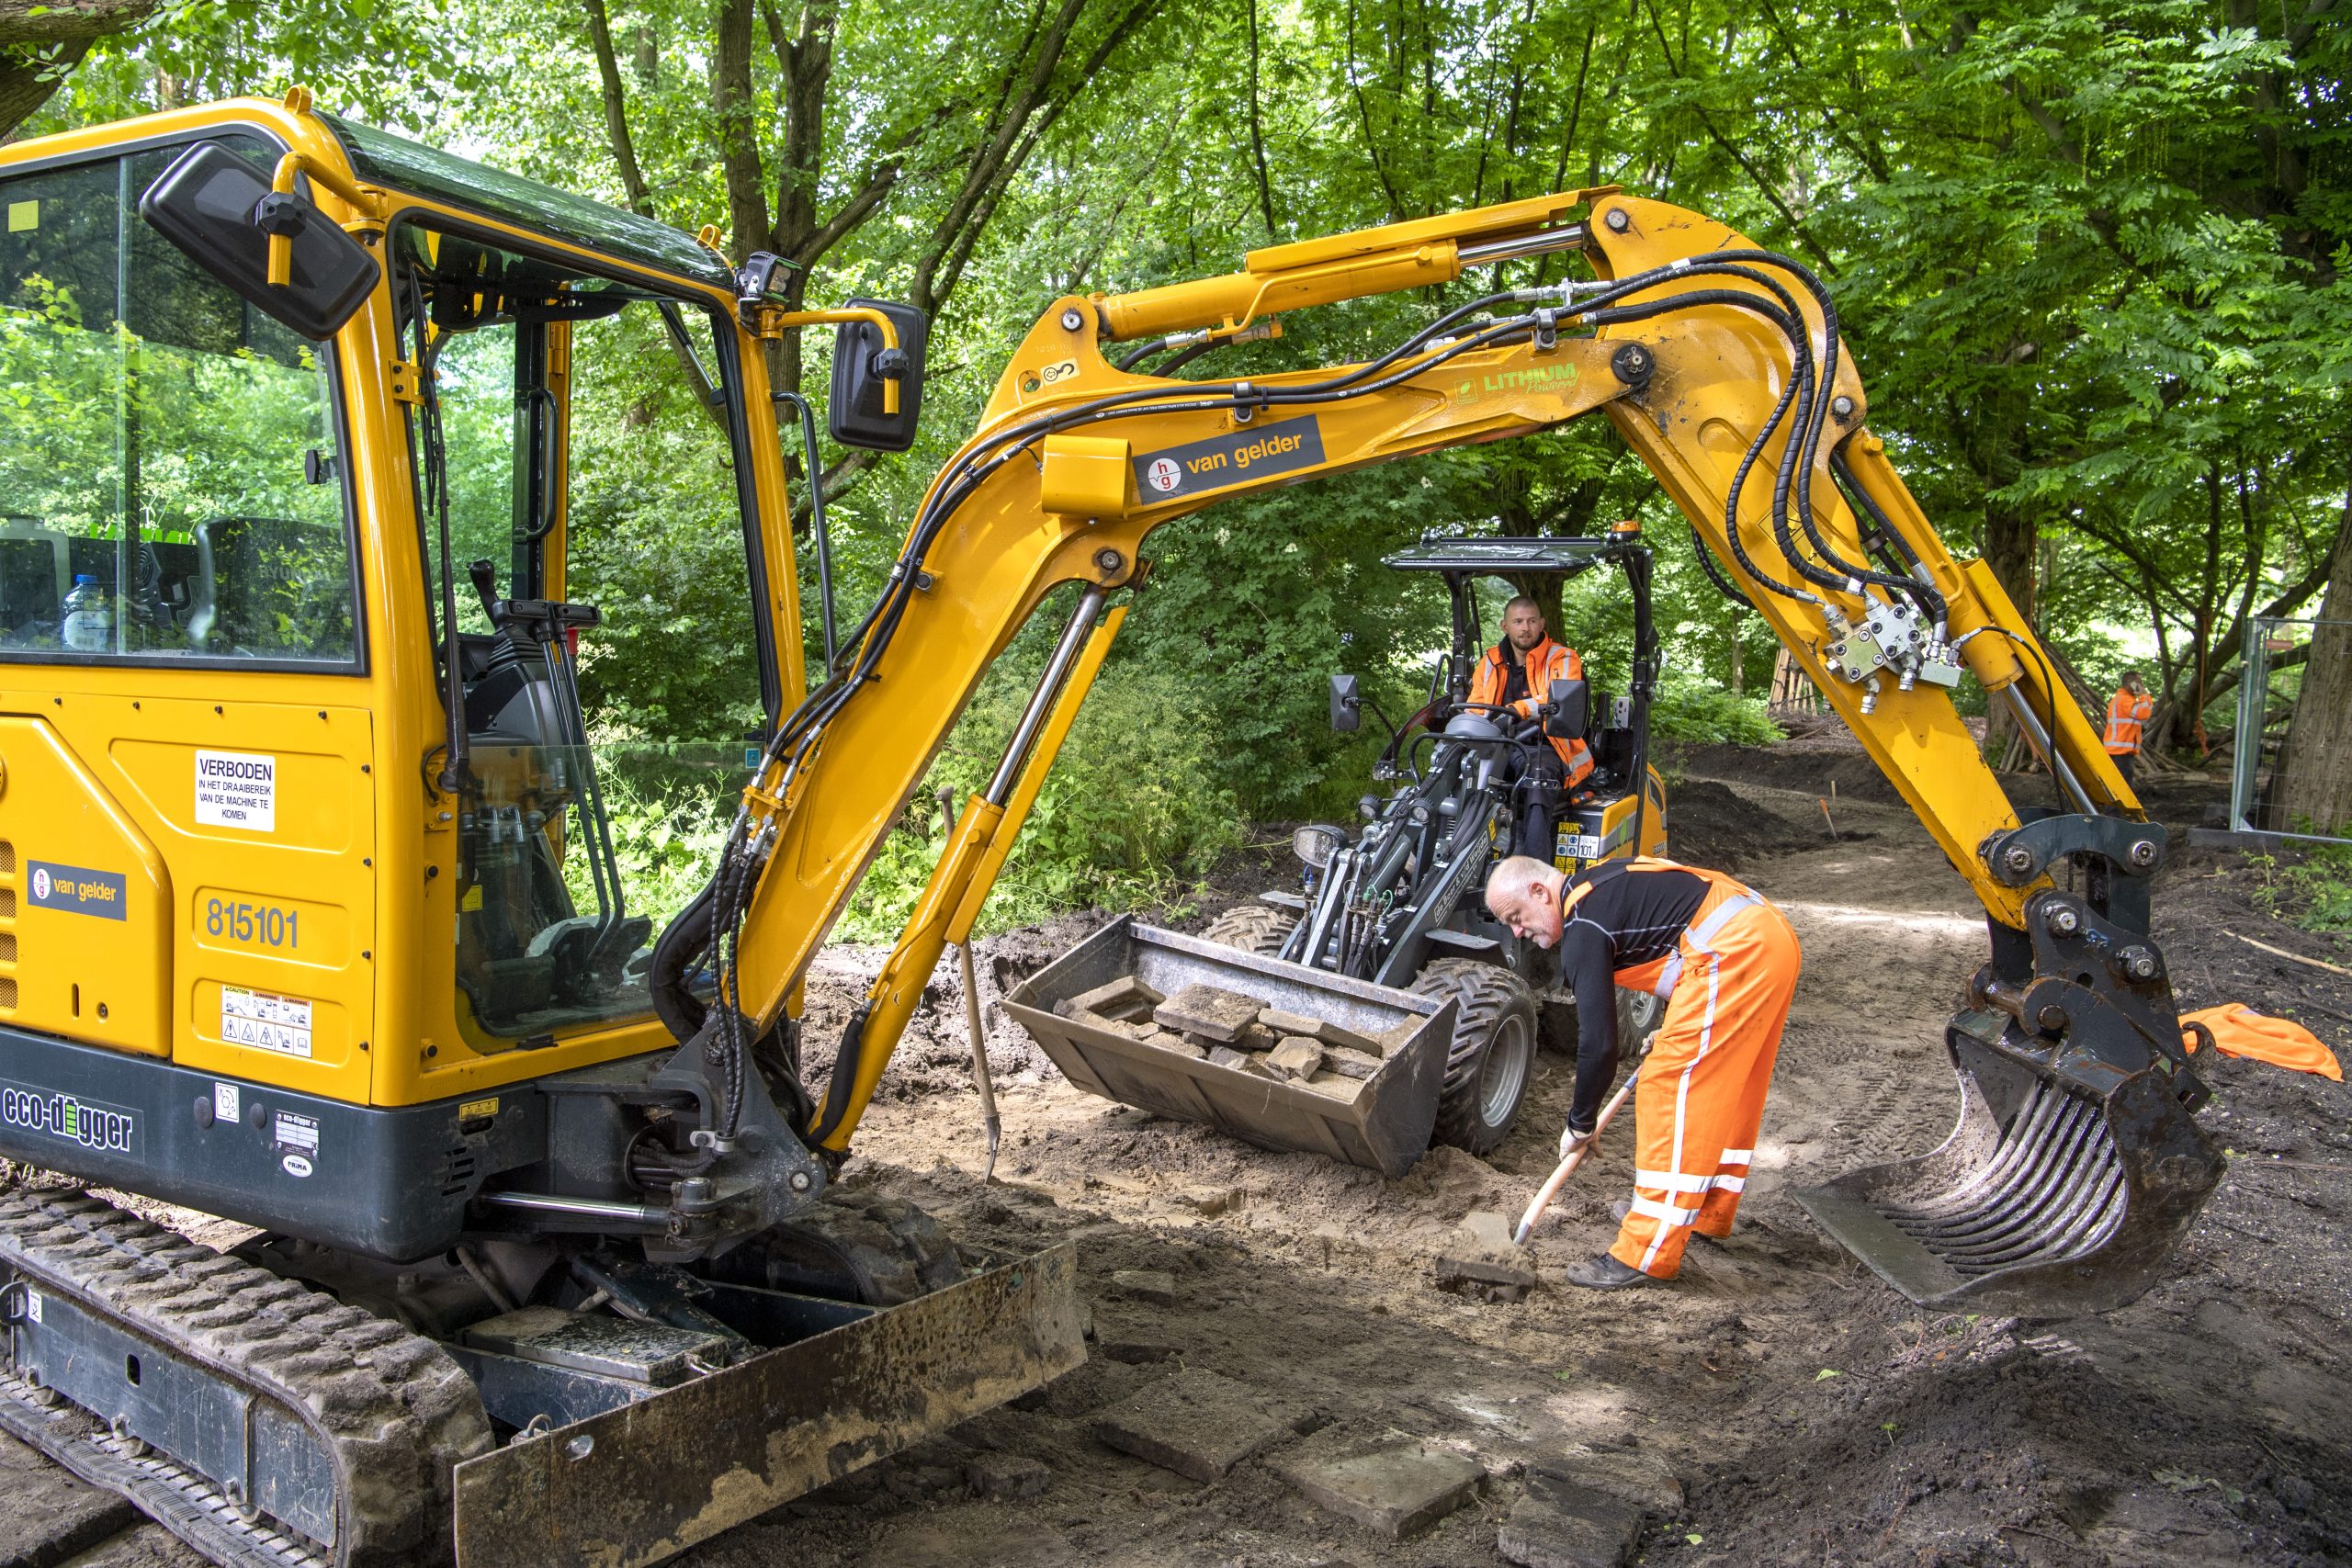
(1233, 1029)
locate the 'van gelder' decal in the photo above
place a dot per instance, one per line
(78, 890)
(1222, 461)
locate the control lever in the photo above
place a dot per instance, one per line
(485, 581)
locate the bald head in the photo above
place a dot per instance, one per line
(1524, 894)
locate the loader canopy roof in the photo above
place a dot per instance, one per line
(380, 158)
(1506, 556)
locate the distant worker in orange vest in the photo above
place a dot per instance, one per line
(2127, 712)
(1726, 962)
(1520, 680)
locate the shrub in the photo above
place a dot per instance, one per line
(1688, 710)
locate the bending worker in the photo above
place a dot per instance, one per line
(1520, 681)
(1726, 962)
(2127, 712)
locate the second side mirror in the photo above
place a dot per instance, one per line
(1568, 709)
(1346, 704)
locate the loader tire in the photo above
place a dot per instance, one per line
(1491, 1057)
(1638, 1015)
(1254, 928)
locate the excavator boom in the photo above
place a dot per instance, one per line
(1721, 366)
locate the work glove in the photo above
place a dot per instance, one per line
(1571, 1140)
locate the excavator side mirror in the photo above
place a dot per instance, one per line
(220, 210)
(862, 363)
(1568, 709)
(1347, 705)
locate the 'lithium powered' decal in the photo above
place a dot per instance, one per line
(1222, 461)
(78, 890)
(110, 1129)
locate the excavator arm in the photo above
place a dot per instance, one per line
(2076, 1165)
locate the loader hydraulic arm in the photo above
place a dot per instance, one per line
(1721, 366)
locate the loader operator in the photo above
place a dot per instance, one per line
(1726, 962)
(1517, 673)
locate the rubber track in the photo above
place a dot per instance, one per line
(392, 1408)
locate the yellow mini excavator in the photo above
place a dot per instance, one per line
(310, 915)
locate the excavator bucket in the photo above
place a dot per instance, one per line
(2052, 1198)
(1396, 1039)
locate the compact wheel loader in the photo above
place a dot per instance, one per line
(1398, 903)
(310, 915)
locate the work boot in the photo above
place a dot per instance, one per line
(1605, 1273)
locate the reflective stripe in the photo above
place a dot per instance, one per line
(1666, 1212)
(1676, 1181)
(1738, 1157)
(1700, 936)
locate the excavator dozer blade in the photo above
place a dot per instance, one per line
(1382, 1122)
(2047, 1201)
(638, 1484)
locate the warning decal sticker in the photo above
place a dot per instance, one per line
(1222, 461)
(265, 1021)
(236, 789)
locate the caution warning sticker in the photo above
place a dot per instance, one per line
(265, 1021)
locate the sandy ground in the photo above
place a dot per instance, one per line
(1813, 1415)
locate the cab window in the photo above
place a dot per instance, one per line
(170, 472)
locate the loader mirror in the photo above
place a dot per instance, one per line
(1347, 705)
(1568, 710)
(213, 205)
(862, 364)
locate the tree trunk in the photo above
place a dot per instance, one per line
(2314, 789)
(40, 43)
(2010, 542)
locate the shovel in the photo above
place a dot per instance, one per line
(1559, 1179)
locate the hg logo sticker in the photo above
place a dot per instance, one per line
(77, 890)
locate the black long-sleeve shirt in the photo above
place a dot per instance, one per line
(1631, 915)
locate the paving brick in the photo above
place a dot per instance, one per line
(1479, 1258)
(1396, 1487)
(1296, 1057)
(1564, 1524)
(1638, 1478)
(47, 1515)
(1210, 1010)
(1196, 1423)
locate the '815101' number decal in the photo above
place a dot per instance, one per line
(261, 925)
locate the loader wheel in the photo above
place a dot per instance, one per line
(1638, 1015)
(1254, 928)
(1492, 1054)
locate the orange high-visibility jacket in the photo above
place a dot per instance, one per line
(1547, 662)
(2126, 715)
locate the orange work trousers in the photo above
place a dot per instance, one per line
(1700, 1102)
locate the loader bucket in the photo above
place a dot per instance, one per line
(640, 1482)
(2047, 1201)
(1382, 1122)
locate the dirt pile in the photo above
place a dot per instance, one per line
(1710, 824)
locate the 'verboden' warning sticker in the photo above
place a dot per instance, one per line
(236, 789)
(265, 1021)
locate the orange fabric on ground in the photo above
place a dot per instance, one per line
(1700, 1102)
(2239, 1030)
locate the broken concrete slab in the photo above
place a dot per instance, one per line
(1226, 1056)
(1196, 1423)
(1297, 1057)
(1127, 997)
(1481, 1260)
(48, 1515)
(1001, 1477)
(1563, 1523)
(1398, 1486)
(1639, 1478)
(1338, 1087)
(1283, 1022)
(1156, 1285)
(1350, 1064)
(1166, 1040)
(1211, 1012)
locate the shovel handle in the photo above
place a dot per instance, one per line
(1559, 1179)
